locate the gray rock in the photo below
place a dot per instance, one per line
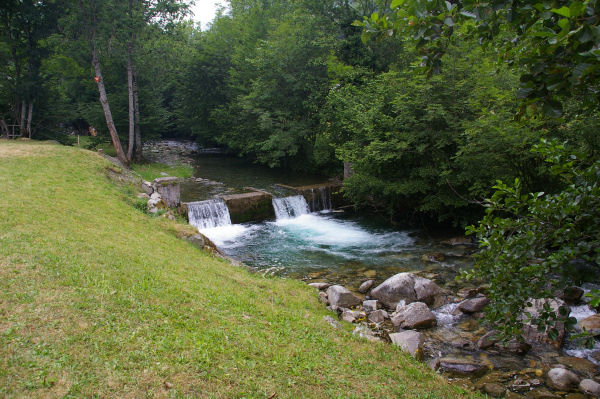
(147, 187)
(426, 290)
(562, 379)
(332, 322)
(494, 389)
(407, 287)
(590, 387)
(474, 305)
(341, 297)
(461, 366)
(197, 240)
(378, 316)
(143, 196)
(319, 286)
(351, 315)
(409, 341)
(366, 286)
(591, 324)
(572, 295)
(155, 196)
(487, 340)
(168, 188)
(530, 331)
(414, 316)
(365, 332)
(370, 305)
(323, 297)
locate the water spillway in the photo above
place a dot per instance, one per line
(290, 207)
(208, 214)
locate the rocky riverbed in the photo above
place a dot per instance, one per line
(428, 315)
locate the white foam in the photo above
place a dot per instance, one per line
(581, 312)
(326, 231)
(445, 314)
(224, 235)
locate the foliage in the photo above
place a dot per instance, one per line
(554, 42)
(532, 243)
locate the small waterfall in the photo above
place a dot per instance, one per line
(290, 207)
(321, 198)
(207, 214)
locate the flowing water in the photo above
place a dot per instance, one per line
(208, 214)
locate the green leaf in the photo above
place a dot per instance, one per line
(564, 11)
(396, 4)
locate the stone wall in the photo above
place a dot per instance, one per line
(250, 207)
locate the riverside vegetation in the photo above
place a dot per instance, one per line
(99, 299)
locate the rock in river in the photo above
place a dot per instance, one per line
(562, 379)
(407, 287)
(474, 305)
(460, 366)
(366, 286)
(341, 297)
(590, 387)
(413, 316)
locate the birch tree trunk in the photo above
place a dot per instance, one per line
(131, 111)
(29, 118)
(106, 108)
(22, 118)
(136, 107)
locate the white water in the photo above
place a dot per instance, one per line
(208, 214)
(447, 314)
(290, 207)
(322, 201)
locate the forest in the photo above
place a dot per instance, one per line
(439, 110)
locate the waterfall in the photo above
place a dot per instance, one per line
(290, 207)
(207, 214)
(321, 198)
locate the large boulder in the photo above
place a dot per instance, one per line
(407, 287)
(341, 297)
(378, 316)
(413, 316)
(562, 379)
(530, 330)
(462, 367)
(409, 341)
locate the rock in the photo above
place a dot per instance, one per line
(461, 240)
(542, 394)
(572, 295)
(147, 187)
(461, 366)
(319, 286)
(474, 305)
(575, 396)
(396, 288)
(365, 332)
(143, 196)
(410, 342)
(370, 273)
(378, 316)
(407, 287)
(470, 292)
(590, 387)
(487, 340)
(323, 297)
(530, 331)
(351, 315)
(512, 395)
(562, 379)
(168, 188)
(364, 287)
(197, 240)
(591, 324)
(516, 346)
(155, 196)
(426, 290)
(155, 204)
(414, 316)
(332, 322)
(494, 389)
(370, 305)
(433, 257)
(341, 297)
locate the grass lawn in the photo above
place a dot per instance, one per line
(98, 299)
(150, 171)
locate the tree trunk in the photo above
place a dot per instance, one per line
(104, 101)
(4, 127)
(136, 107)
(131, 112)
(22, 118)
(29, 118)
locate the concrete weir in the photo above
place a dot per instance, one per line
(320, 196)
(255, 206)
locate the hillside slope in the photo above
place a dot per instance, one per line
(99, 299)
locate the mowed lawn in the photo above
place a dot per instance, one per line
(98, 299)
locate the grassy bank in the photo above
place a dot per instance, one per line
(98, 299)
(150, 171)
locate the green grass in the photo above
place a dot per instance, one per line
(98, 299)
(150, 171)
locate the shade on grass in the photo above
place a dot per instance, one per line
(98, 299)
